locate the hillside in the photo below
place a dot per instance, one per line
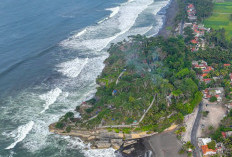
(146, 85)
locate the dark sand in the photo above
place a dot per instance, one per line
(169, 20)
(165, 145)
(161, 145)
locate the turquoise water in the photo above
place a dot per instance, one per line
(51, 53)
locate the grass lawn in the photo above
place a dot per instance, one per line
(221, 17)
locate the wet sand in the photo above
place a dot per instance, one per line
(169, 21)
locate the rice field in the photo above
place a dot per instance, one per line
(221, 18)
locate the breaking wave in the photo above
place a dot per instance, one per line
(98, 37)
(21, 132)
(50, 98)
(72, 68)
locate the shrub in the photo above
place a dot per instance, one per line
(126, 130)
(181, 151)
(69, 115)
(129, 120)
(109, 129)
(89, 110)
(212, 145)
(117, 130)
(68, 129)
(77, 108)
(59, 125)
(205, 113)
(213, 99)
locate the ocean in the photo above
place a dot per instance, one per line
(51, 52)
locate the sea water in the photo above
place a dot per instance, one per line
(51, 52)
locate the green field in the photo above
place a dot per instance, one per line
(221, 18)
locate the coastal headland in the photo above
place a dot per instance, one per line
(141, 79)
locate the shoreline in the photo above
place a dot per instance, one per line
(170, 12)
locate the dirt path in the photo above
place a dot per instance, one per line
(119, 77)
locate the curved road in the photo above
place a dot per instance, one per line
(196, 152)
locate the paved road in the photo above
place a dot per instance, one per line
(196, 152)
(181, 27)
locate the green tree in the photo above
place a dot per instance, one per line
(188, 32)
(59, 125)
(213, 99)
(212, 145)
(188, 145)
(68, 129)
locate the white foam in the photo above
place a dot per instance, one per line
(50, 98)
(72, 68)
(160, 5)
(76, 143)
(114, 11)
(129, 1)
(80, 33)
(118, 25)
(22, 132)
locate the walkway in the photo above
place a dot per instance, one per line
(131, 125)
(196, 152)
(119, 77)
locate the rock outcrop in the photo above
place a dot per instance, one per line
(101, 138)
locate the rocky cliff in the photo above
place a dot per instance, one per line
(102, 138)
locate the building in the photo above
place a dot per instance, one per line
(199, 64)
(206, 151)
(226, 134)
(203, 141)
(217, 92)
(205, 70)
(226, 65)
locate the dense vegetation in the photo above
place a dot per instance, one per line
(204, 8)
(181, 14)
(136, 72)
(220, 49)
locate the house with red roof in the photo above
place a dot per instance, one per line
(208, 69)
(190, 6)
(194, 41)
(206, 151)
(223, 134)
(226, 65)
(217, 92)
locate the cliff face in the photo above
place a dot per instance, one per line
(101, 138)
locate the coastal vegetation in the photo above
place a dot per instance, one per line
(138, 72)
